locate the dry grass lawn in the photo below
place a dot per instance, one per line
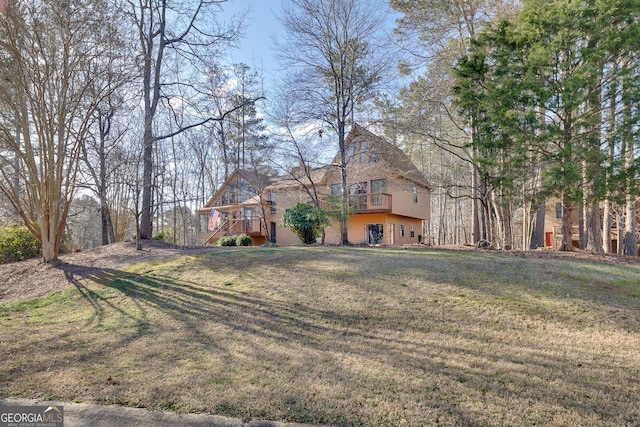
(340, 336)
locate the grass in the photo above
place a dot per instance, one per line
(340, 336)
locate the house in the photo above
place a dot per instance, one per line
(553, 216)
(389, 198)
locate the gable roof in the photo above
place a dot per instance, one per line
(298, 177)
(252, 177)
(398, 162)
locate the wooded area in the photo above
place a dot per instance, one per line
(127, 115)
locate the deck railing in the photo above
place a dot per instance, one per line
(360, 203)
(250, 227)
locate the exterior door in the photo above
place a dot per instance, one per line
(273, 232)
(375, 234)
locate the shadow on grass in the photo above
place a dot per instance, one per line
(373, 365)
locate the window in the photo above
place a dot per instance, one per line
(350, 151)
(358, 188)
(401, 230)
(364, 152)
(272, 203)
(558, 210)
(378, 187)
(412, 232)
(243, 190)
(336, 189)
(358, 195)
(415, 194)
(373, 158)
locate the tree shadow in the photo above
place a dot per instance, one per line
(318, 334)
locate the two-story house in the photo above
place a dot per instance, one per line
(553, 215)
(388, 198)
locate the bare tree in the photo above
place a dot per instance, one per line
(337, 57)
(167, 30)
(101, 155)
(52, 64)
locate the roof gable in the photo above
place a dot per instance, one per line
(396, 159)
(254, 179)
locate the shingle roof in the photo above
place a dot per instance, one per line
(398, 162)
(254, 178)
(298, 178)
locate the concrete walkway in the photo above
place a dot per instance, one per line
(84, 415)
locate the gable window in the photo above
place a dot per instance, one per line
(350, 151)
(243, 190)
(415, 194)
(364, 152)
(373, 158)
(558, 210)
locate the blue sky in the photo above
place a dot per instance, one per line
(261, 24)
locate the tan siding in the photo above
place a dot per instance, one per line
(377, 159)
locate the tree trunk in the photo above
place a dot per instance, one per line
(146, 224)
(606, 226)
(607, 214)
(567, 234)
(537, 237)
(345, 191)
(593, 225)
(630, 241)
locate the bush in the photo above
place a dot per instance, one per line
(243, 240)
(306, 221)
(227, 241)
(161, 236)
(18, 243)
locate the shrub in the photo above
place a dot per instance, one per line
(306, 221)
(243, 240)
(227, 241)
(18, 243)
(161, 236)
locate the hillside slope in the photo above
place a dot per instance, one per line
(338, 336)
